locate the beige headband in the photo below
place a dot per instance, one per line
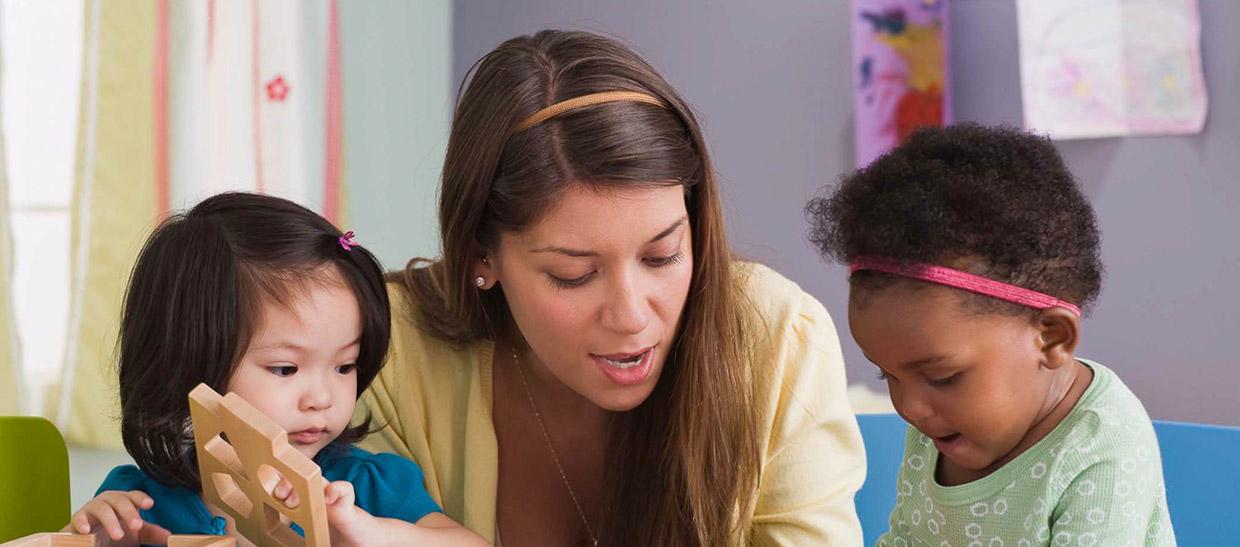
(584, 101)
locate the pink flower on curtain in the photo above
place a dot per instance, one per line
(277, 89)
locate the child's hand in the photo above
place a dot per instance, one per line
(116, 513)
(284, 492)
(350, 524)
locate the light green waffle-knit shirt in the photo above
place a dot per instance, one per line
(1095, 480)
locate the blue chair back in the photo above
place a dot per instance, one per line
(1201, 468)
(883, 435)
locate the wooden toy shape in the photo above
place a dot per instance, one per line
(58, 539)
(238, 473)
(201, 541)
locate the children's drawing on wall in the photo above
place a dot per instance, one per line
(900, 68)
(1103, 68)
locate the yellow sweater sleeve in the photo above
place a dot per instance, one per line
(814, 461)
(432, 403)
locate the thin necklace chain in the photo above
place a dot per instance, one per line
(554, 455)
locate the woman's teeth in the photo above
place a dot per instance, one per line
(626, 363)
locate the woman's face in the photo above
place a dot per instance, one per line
(597, 287)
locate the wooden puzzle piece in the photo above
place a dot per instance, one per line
(238, 473)
(201, 541)
(58, 539)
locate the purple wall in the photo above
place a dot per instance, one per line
(771, 83)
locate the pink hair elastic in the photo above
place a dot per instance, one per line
(962, 280)
(346, 241)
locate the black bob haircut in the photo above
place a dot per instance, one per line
(192, 306)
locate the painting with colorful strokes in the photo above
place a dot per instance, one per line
(900, 71)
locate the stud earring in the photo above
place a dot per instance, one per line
(480, 281)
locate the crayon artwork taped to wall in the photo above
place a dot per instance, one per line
(1104, 68)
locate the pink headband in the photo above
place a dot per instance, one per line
(962, 280)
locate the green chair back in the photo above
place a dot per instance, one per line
(34, 477)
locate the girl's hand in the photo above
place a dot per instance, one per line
(116, 514)
(284, 492)
(350, 525)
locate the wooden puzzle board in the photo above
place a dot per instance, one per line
(238, 473)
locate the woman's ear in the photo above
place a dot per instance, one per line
(1059, 331)
(485, 274)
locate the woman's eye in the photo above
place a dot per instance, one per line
(283, 370)
(882, 376)
(346, 369)
(560, 283)
(945, 381)
(662, 261)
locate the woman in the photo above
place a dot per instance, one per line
(586, 363)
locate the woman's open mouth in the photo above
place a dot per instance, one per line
(626, 369)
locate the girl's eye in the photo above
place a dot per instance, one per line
(946, 381)
(283, 370)
(346, 369)
(663, 261)
(882, 376)
(570, 283)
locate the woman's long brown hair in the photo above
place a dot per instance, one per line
(683, 466)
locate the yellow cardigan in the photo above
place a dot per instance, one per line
(436, 402)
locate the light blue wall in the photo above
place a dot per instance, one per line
(398, 95)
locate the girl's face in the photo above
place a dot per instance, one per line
(597, 287)
(973, 383)
(299, 367)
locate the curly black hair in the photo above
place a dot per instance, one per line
(996, 201)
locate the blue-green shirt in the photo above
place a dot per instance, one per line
(386, 485)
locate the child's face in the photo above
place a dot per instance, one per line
(299, 367)
(974, 383)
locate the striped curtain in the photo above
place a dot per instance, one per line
(10, 351)
(181, 100)
(251, 91)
